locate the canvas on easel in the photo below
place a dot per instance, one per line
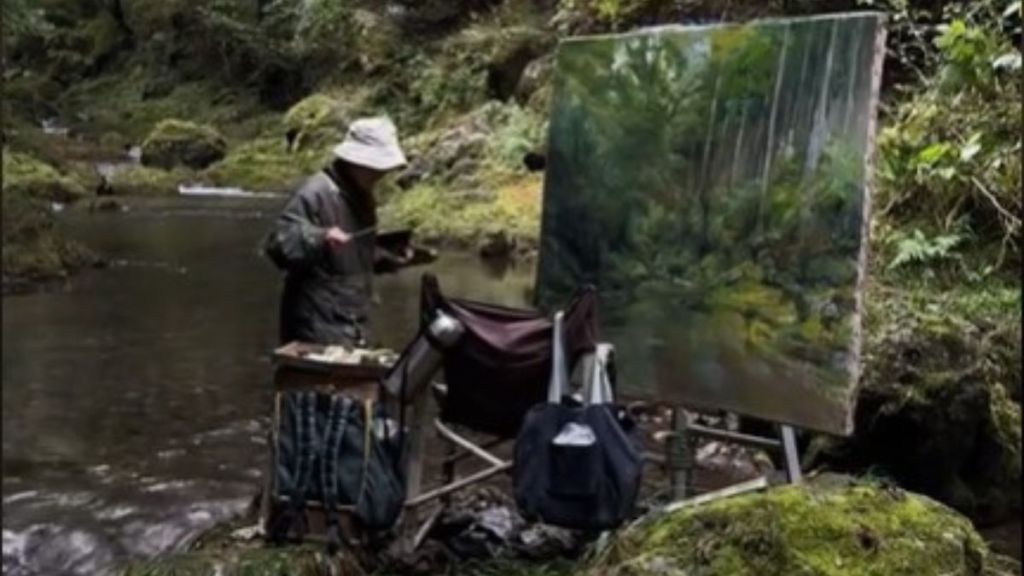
(713, 182)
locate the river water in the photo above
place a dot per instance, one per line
(135, 397)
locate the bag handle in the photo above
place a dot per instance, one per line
(599, 386)
(559, 372)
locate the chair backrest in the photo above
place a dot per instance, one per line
(500, 367)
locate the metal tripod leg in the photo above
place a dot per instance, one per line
(789, 450)
(679, 455)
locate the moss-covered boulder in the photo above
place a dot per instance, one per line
(34, 250)
(833, 526)
(935, 410)
(474, 149)
(181, 143)
(316, 121)
(266, 165)
(26, 176)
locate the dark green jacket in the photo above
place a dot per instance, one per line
(327, 293)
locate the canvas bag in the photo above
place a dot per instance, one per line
(577, 465)
(338, 450)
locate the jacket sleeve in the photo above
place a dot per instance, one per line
(295, 240)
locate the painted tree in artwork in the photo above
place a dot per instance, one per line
(709, 181)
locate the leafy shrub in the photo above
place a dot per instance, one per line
(949, 159)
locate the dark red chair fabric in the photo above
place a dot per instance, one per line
(501, 366)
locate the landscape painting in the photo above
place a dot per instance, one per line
(714, 183)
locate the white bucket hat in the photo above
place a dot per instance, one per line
(373, 143)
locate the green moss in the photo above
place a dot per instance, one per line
(434, 82)
(34, 250)
(830, 527)
(438, 215)
(320, 120)
(265, 165)
(27, 176)
(145, 181)
(180, 143)
(934, 410)
(126, 101)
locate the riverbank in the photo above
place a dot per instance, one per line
(829, 525)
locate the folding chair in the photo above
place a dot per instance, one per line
(497, 372)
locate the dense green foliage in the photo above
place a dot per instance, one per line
(949, 165)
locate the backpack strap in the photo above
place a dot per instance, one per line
(333, 435)
(305, 440)
(367, 450)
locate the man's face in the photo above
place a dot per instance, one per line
(365, 178)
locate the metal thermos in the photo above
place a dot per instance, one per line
(423, 359)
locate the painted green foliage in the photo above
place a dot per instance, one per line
(710, 181)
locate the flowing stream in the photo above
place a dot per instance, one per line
(135, 398)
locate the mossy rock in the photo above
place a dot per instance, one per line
(180, 143)
(34, 250)
(315, 122)
(27, 176)
(145, 181)
(832, 526)
(511, 207)
(934, 410)
(265, 165)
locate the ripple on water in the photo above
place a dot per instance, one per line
(50, 549)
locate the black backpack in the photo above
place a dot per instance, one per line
(578, 465)
(341, 451)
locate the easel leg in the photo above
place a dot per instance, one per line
(679, 456)
(791, 454)
(419, 426)
(269, 484)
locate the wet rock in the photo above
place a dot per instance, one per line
(535, 76)
(413, 174)
(542, 542)
(485, 524)
(833, 525)
(180, 143)
(507, 69)
(107, 205)
(45, 547)
(496, 245)
(732, 461)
